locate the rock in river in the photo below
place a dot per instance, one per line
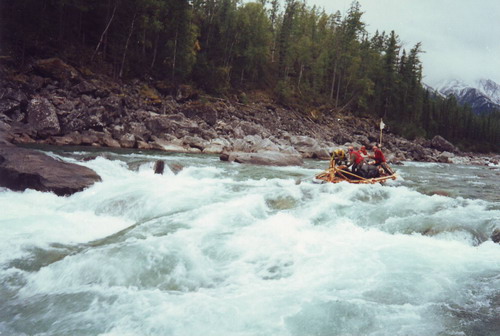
(22, 168)
(263, 158)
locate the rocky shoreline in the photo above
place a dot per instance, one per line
(51, 102)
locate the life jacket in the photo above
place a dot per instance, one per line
(358, 158)
(339, 154)
(379, 156)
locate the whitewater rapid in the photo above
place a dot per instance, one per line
(229, 249)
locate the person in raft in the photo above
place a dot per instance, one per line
(339, 157)
(380, 161)
(356, 161)
(363, 152)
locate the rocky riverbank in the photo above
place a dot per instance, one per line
(51, 102)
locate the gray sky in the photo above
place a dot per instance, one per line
(461, 38)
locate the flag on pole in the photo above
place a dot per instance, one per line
(382, 125)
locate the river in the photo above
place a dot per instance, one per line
(227, 249)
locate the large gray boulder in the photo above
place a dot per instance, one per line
(42, 117)
(5, 135)
(264, 158)
(194, 142)
(22, 168)
(216, 146)
(56, 69)
(443, 145)
(309, 148)
(173, 145)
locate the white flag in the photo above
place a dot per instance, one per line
(382, 125)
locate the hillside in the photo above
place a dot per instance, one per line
(311, 61)
(54, 103)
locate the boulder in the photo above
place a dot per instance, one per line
(56, 69)
(309, 147)
(250, 128)
(446, 157)
(22, 168)
(417, 152)
(139, 130)
(42, 117)
(12, 104)
(265, 145)
(143, 145)
(89, 138)
(241, 145)
(288, 150)
(159, 167)
(202, 111)
(216, 146)
(167, 146)
(175, 167)
(441, 144)
(263, 158)
(8, 106)
(69, 139)
(194, 142)
(320, 153)
(64, 105)
(84, 87)
(108, 141)
(85, 117)
(303, 141)
(172, 124)
(127, 140)
(495, 236)
(193, 150)
(185, 93)
(5, 135)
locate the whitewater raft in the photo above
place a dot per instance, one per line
(337, 174)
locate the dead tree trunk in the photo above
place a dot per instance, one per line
(126, 45)
(338, 91)
(300, 77)
(104, 33)
(175, 54)
(155, 50)
(333, 81)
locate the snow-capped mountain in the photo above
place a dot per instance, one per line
(482, 95)
(433, 91)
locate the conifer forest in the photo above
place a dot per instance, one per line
(299, 54)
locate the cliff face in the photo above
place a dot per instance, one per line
(54, 103)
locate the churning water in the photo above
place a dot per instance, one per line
(228, 249)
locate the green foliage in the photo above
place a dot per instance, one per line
(283, 93)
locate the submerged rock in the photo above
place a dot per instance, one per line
(22, 169)
(495, 236)
(175, 167)
(264, 158)
(159, 167)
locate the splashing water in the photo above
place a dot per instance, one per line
(228, 249)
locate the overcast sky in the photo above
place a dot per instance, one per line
(461, 38)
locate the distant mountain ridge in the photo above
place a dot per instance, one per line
(482, 95)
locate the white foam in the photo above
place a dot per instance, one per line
(201, 252)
